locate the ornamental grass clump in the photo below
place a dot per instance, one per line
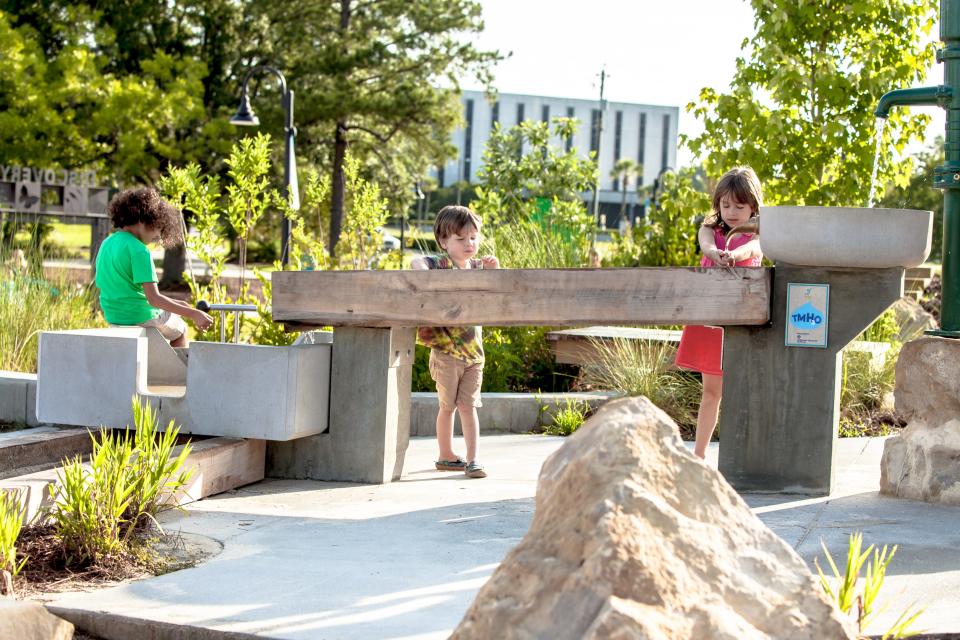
(645, 368)
(861, 604)
(129, 480)
(568, 417)
(11, 522)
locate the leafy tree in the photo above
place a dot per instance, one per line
(623, 170)
(530, 194)
(667, 234)
(368, 78)
(800, 107)
(919, 193)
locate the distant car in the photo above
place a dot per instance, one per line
(390, 242)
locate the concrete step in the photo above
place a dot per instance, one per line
(31, 450)
(923, 271)
(219, 464)
(916, 284)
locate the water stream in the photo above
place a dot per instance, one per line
(881, 123)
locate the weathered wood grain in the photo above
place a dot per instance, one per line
(503, 297)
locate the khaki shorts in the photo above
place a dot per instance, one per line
(458, 382)
(170, 325)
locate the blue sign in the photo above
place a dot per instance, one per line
(807, 315)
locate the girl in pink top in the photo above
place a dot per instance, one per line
(737, 198)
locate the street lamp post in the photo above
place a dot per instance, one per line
(246, 117)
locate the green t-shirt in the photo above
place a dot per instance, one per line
(123, 265)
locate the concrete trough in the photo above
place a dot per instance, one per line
(846, 236)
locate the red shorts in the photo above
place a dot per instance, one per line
(701, 349)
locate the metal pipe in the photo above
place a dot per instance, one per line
(223, 309)
(946, 176)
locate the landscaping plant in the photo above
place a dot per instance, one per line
(862, 604)
(645, 368)
(128, 481)
(567, 418)
(29, 305)
(11, 521)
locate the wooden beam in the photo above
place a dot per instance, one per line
(504, 297)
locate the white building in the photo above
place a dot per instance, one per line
(647, 134)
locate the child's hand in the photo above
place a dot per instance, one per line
(490, 262)
(723, 258)
(202, 320)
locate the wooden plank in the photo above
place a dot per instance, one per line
(505, 297)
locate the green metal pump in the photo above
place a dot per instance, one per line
(946, 176)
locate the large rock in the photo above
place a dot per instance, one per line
(923, 462)
(634, 537)
(26, 620)
(912, 319)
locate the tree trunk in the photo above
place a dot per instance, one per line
(338, 186)
(174, 264)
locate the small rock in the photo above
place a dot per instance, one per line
(634, 537)
(26, 620)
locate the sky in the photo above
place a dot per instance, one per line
(655, 51)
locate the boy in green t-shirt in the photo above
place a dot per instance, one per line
(125, 274)
(456, 353)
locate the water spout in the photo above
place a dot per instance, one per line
(932, 96)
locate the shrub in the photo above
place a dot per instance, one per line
(30, 305)
(567, 418)
(645, 368)
(844, 592)
(97, 507)
(11, 521)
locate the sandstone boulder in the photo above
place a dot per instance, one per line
(923, 462)
(912, 319)
(634, 537)
(26, 620)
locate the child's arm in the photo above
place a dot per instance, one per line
(160, 301)
(747, 251)
(490, 262)
(419, 264)
(708, 246)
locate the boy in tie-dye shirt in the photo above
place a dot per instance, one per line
(456, 353)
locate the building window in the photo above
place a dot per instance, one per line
(494, 115)
(468, 141)
(545, 113)
(594, 130)
(569, 144)
(666, 141)
(520, 115)
(641, 145)
(617, 136)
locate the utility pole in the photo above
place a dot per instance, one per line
(599, 134)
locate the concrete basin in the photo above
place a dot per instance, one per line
(846, 236)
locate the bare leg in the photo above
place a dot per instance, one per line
(445, 434)
(179, 342)
(470, 423)
(707, 415)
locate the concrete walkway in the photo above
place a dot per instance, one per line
(311, 560)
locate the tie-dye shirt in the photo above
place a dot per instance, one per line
(463, 343)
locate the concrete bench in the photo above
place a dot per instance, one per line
(88, 377)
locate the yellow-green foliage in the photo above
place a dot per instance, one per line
(11, 521)
(862, 605)
(567, 418)
(29, 305)
(129, 479)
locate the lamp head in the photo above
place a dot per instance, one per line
(245, 117)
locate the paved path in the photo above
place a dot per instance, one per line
(310, 560)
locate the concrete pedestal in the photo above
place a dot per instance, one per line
(369, 412)
(781, 405)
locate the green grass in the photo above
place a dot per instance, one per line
(30, 305)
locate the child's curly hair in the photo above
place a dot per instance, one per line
(741, 184)
(148, 206)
